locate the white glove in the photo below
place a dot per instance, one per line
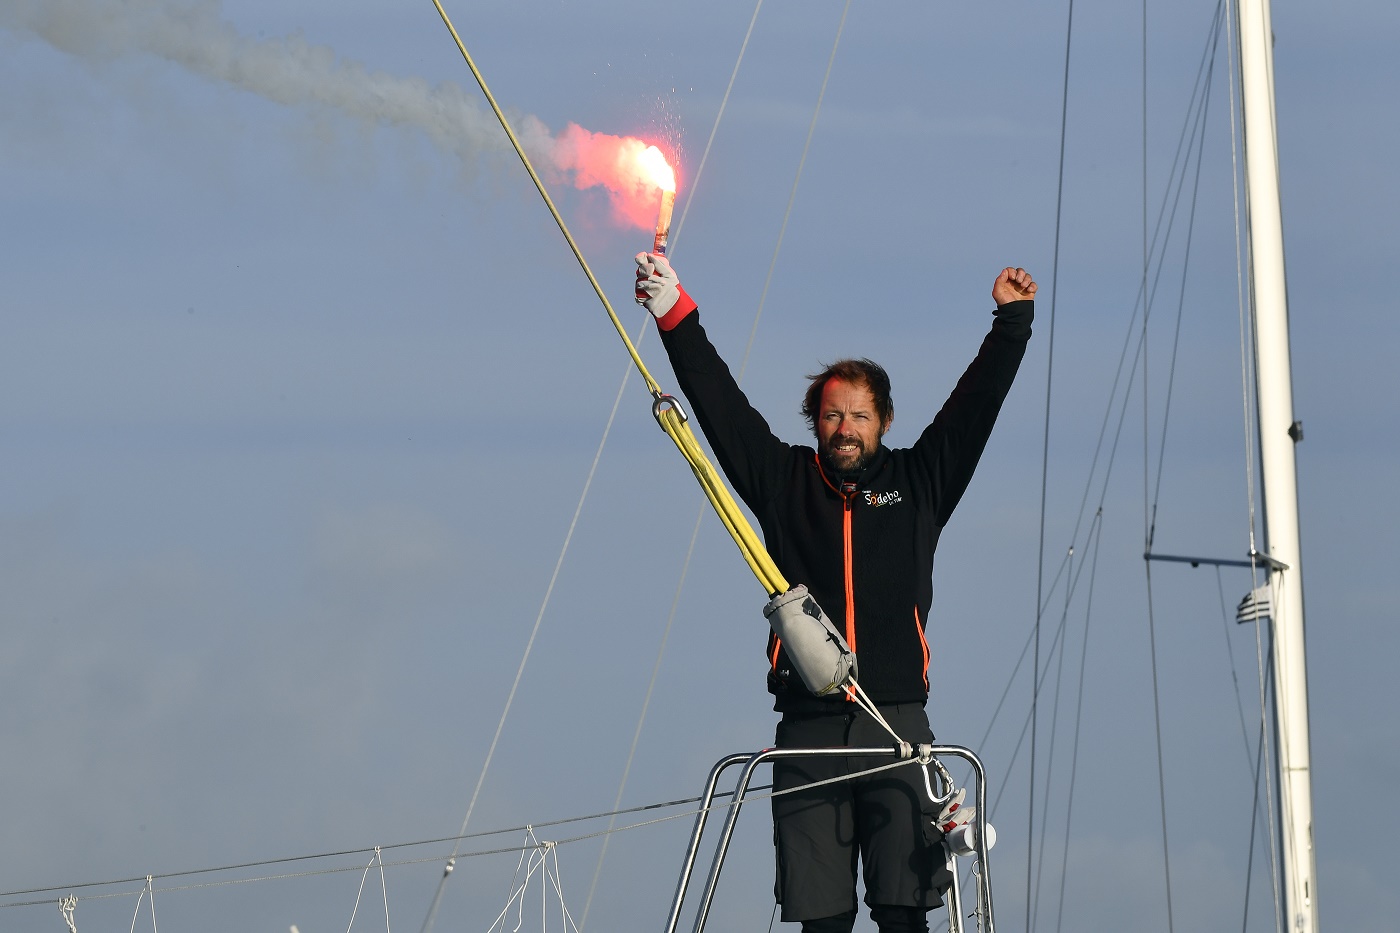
(658, 289)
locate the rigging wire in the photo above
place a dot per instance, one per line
(1096, 536)
(358, 851)
(1252, 762)
(1199, 128)
(1200, 103)
(1045, 449)
(1157, 723)
(1262, 770)
(1234, 669)
(759, 793)
(695, 532)
(1050, 752)
(1151, 624)
(1253, 831)
(1150, 504)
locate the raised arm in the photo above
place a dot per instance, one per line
(751, 457)
(950, 447)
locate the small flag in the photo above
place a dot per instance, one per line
(1255, 606)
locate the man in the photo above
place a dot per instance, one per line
(858, 524)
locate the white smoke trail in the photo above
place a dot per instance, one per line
(288, 71)
(193, 35)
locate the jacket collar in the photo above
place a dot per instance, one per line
(858, 479)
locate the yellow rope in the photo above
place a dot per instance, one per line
(676, 427)
(755, 554)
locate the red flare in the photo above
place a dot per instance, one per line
(634, 174)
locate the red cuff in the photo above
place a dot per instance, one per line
(683, 306)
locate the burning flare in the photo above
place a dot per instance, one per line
(657, 169)
(634, 174)
(664, 177)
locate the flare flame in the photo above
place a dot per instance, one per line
(634, 174)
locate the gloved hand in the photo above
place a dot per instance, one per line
(660, 292)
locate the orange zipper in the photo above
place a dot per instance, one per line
(848, 498)
(850, 574)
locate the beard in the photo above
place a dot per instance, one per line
(845, 461)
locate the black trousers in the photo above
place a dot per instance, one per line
(882, 823)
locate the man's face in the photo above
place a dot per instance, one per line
(848, 427)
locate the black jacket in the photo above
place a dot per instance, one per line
(879, 532)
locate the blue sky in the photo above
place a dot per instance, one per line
(296, 408)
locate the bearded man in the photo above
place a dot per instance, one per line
(857, 523)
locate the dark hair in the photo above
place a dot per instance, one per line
(857, 372)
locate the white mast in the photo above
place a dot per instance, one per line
(1278, 435)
